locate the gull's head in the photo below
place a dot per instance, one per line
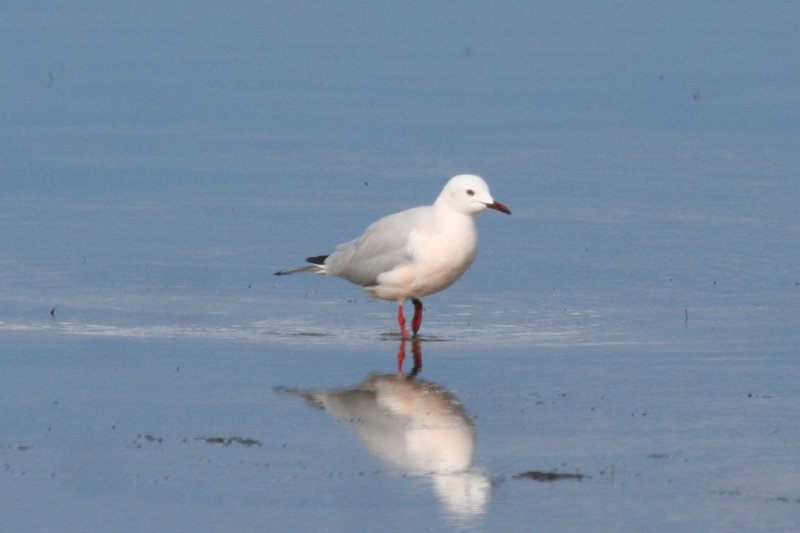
(469, 194)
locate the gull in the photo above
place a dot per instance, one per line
(413, 253)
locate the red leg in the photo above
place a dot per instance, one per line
(401, 320)
(416, 322)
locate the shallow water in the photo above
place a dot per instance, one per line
(633, 325)
(211, 434)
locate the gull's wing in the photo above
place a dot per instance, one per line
(383, 247)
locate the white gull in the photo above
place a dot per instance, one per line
(413, 253)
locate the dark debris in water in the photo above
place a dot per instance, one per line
(538, 475)
(784, 499)
(658, 456)
(227, 441)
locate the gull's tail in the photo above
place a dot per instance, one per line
(317, 266)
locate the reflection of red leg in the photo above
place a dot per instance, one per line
(401, 355)
(416, 349)
(416, 322)
(402, 320)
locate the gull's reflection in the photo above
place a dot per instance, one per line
(417, 426)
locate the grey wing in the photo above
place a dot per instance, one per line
(382, 247)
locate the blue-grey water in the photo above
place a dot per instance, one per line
(634, 323)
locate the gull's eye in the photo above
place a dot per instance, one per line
(470, 192)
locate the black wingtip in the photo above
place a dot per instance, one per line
(317, 260)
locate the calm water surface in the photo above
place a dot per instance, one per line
(632, 326)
